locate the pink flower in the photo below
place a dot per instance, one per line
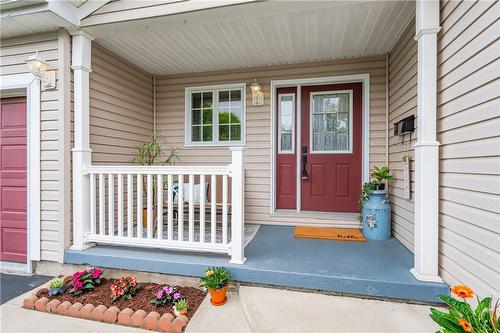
(168, 290)
(77, 275)
(96, 273)
(177, 296)
(77, 284)
(159, 295)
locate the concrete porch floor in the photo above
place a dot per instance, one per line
(275, 257)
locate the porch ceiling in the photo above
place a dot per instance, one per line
(257, 34)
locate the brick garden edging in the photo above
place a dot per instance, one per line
(112, 315)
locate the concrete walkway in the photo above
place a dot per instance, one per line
(266, 310)
(254, 309)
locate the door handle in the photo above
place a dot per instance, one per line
(303, 173)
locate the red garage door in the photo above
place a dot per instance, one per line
(13, 179)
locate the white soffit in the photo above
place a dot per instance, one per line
(257, 34)
(30, 24)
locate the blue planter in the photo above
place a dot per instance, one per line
(377, 216)
(55, 291)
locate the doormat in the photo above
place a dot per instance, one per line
(353, 235)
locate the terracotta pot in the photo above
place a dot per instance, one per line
(218, 296)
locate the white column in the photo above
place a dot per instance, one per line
(80, 63)
(426, 148)
(237, 206)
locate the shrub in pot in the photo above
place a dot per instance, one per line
(56, 287)
(216, 280)
(375, 210)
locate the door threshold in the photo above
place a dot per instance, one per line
(319, 215)
(14, 267)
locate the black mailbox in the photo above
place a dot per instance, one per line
(404, 126)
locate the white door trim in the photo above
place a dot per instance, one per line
(26, 85)
(362, 78)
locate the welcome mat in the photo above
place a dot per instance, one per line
(353, 235)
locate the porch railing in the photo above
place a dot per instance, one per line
(191, 208)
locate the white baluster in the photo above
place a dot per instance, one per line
(224, 209)
(202, 208)
(140, 197)
(102, 204)
(120, 205)
(237, 206)
(130, 206)
(159, 207)
(150, 206)
(191, 208)
(170, 208)
(213, 210)
(92, 204)
(180, 208)
(111, 204)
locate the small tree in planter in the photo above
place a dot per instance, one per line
(124, 288)
(216, 280)
(151, 154)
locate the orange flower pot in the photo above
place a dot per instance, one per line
(218, 296)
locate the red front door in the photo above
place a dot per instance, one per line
(13, 180)
(331, 143)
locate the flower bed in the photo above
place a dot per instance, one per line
(97, 303)
(141, 300)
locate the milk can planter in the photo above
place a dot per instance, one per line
(375, 209)
(377, 216)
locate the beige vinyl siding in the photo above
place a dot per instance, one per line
(402, 103)
(469, 132)
(170, 122)
(14, 53)
(121, 108)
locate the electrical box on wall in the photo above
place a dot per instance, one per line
(404, 126)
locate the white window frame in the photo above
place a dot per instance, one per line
(214, 89)
(292, 151)
(349, 151)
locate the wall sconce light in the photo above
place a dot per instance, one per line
(42, 71)
(257, 94)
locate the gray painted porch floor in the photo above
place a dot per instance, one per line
(275, 257)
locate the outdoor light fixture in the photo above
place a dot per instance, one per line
(257, 94)
(42, 71)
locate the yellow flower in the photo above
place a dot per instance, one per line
(462, 291)
(466, 326)
(209, 273)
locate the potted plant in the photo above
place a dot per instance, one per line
(56, 287)
(380, 176)
(180, 307)
(375, 210)
(216, 280)
(151, 154)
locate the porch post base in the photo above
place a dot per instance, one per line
(426, 278)
(238, 261)
(81, 247)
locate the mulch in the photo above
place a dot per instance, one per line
(102, 295)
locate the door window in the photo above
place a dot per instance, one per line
(331, 122)
(286, 112)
